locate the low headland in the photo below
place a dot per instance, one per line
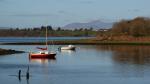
(9, 51)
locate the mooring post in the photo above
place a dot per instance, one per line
(27, 74)
(19, 74)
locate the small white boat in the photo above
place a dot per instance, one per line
(69, 47)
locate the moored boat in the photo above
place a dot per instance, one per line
(43, 53)
(69, 47)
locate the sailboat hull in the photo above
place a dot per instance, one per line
(51, 55)
(68, 48)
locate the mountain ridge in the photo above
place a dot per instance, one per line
(96, 24)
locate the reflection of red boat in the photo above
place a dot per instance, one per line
(44, 53)
(43, 60)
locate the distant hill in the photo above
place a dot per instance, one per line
(97, 24)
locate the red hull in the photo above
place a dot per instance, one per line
(42, 55)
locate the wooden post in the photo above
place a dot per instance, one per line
(27, 74)
(19, 74)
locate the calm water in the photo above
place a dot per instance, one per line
(87, 65)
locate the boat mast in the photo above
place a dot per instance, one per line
(46, 38)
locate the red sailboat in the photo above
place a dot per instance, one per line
(43, 53)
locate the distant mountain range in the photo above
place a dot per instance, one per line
(97, 24)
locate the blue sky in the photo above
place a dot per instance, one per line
(34, 13)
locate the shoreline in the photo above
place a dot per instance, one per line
(9, 51)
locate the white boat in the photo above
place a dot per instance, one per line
(44, 52)
(69, 47)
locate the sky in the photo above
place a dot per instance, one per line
(34, 13)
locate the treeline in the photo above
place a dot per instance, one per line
(137, 27)
(40, 32)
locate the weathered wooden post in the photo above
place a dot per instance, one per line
(27, 74)
(19, 74)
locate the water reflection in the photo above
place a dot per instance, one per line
(43, 60)
(128, 54)
(89, 64)
(26, 80)
(21, 75)
(67, 51)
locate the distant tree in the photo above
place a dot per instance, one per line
(86, 32)
(28, 29)
(17, 28)
(85, 29)
(81, 29)
(75, 29)
(43, 27)
(11, 29)
(49, 28)
(35, 29)
(91, 29)
(59, 29)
